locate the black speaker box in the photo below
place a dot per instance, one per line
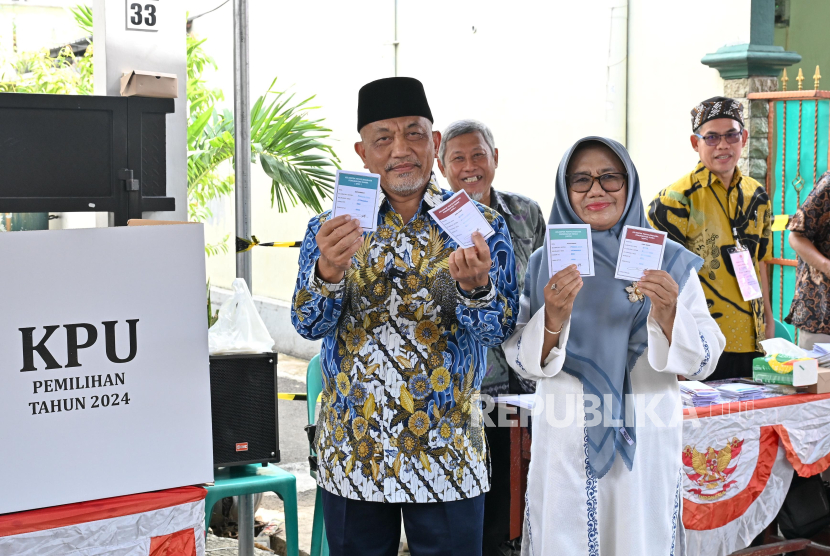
(243, 399)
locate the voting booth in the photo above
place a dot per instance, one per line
(105, 378)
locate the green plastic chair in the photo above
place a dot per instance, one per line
(254, 479)
(781, 331)
(314, 385)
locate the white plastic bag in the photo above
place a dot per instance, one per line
(782, 346)
(239, 328)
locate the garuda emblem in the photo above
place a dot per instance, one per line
(711, 470)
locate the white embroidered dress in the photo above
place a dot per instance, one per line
(625, 513)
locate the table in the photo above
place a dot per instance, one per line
(738, 462)
(163, 523)
(247, 480)
(736, 490)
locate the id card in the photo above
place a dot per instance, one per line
(459, 217)
(356, 194)
(641, 249)
(745, 273)
(570, 244)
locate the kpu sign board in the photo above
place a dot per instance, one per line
(104, 372)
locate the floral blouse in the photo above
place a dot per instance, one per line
(809, 310)
(403, 356)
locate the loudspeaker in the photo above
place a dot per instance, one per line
(243, 398)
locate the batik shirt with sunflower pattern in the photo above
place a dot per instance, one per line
(403, 356)
(699, 212)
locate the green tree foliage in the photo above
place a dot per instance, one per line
(83, 18)
(38, 72)
(291, 149)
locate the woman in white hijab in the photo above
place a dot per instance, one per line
(606, 354)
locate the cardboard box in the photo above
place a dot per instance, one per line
(790, 371)
(149, 84)
(822, 386)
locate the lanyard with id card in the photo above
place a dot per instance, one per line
(744, 270)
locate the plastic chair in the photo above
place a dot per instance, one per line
(253, 479)
(781, 331)
(314, 385)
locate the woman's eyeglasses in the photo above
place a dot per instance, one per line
(582, 183)
(713, 139)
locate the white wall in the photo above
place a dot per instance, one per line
(666, 41)
(530, 71)
(36, 24)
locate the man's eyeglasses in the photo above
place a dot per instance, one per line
(582, 183)
(713, 139)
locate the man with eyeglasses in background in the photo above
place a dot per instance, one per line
(723, 216)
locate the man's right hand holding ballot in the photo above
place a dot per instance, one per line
(338, 240)
(470, 267)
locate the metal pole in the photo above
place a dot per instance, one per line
(242, 136)
(242, 173)
(395, 42)
(245, 513)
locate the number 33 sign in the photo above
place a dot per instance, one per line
(141, 15)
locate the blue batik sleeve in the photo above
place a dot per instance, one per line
(316, 306)
(491, 320)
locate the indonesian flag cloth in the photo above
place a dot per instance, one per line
(164, 523)
(738, 462)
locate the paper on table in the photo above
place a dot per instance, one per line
(356, 194)
(569, 244)
(459, 217)
(640, 249)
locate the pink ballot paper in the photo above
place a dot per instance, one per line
(640, 249)
(459, 217)
(745, 273)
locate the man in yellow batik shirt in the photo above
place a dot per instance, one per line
(712, 219)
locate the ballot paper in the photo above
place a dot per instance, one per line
(640, 249)
(569, 244)
(459, 217)
(356, 194)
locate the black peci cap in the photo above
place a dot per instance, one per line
(391, 97)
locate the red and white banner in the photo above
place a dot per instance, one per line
(165, 523)
(738, 462)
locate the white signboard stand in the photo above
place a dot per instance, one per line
(104, 364)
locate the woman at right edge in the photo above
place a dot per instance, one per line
(603, 349)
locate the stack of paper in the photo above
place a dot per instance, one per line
(821, 353)
(697, 393)
(739, 391)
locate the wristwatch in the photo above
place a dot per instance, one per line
(476, 293)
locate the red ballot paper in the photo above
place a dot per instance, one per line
(460, 217)
(640, 249)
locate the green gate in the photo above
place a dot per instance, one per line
(799, 139)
